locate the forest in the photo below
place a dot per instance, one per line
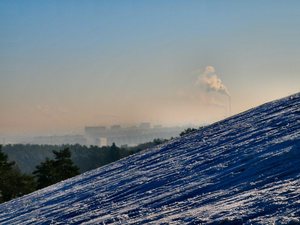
(26, 168)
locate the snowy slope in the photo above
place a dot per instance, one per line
(245, 169)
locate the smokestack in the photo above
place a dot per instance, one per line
(229, 105)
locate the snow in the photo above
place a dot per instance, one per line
(242, 170)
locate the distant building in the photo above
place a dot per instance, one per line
(128, 135)
(145, 126)
(115, 127)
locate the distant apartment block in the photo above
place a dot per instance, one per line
(131, 136)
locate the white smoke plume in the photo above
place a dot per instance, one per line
(211, 82)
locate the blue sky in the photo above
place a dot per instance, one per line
(67, 64)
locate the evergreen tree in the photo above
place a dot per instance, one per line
(58, 169)
(187, 131)
(12, 183)
(4, 164)
(114, 153)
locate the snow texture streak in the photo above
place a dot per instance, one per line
(242, 170)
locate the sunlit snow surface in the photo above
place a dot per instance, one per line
(242, 170)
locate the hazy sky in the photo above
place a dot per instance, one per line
(67, 64)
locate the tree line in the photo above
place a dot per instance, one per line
(28, 156)
(15, 183)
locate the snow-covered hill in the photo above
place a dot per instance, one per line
(242, 170)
